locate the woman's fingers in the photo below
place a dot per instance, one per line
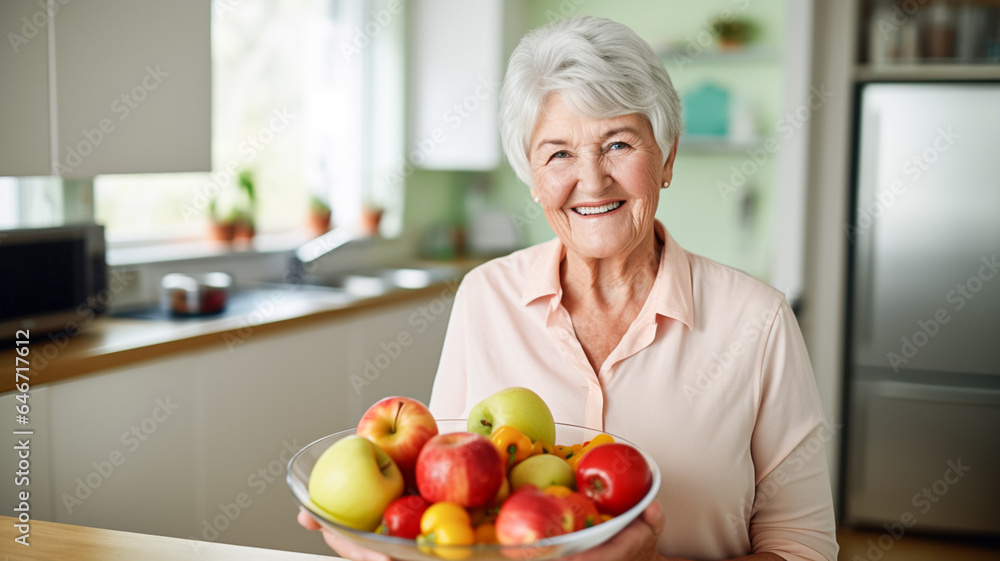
(636, 542)
(653, 515)
(306, 520)
(344, 547)
(628, 545)
(349, 550)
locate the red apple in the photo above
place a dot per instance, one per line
(530, 515)
(402, 517)
(615, 476)
(460, 467)
(400, 426)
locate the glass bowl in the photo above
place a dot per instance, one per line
(302, 463)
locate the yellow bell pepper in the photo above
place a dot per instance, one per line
(563, 452)
(446, 524)
(511, 443)
(598, 440)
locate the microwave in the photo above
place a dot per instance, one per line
(51, 279)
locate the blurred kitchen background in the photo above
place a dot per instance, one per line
(225, 135)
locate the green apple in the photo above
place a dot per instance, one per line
(518, 407)
(542, 471)
(354, 481)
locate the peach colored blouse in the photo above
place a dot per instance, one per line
(712, 379)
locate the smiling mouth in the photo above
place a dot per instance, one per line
(595, 210)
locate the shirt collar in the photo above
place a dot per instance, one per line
(672, 290)
(543, 275)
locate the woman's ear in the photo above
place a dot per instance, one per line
(668, 167)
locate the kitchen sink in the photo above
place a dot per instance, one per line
(336, 290)
(247, 299)
(375, 282)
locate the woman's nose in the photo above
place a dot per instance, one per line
(592, 177)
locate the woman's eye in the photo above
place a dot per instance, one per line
(618, 146)
(560, 154)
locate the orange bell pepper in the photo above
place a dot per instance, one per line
(540, 448)
(486, 533)
(511, 443)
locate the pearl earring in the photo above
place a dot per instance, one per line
(666, 184)
(536, 200)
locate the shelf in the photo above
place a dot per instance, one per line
(868, 73)
(714, 145)
(713, 55)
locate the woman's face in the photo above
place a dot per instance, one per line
(598, 180)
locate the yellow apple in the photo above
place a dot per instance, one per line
(354, 481)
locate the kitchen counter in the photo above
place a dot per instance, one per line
(50, 540)
(112, 342)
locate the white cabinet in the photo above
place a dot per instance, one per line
(196, 446)
(109, 86)
(125, 448)
(24, 90)
(456, 64)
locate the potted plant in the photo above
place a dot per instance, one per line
(318, 217)
(220, 229)
(734, 33)
(244, 219)
(243, 227)
(371, 216)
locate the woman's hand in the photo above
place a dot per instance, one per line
(343, 547)
(637, 542)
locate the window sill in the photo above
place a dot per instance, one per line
(130, 254)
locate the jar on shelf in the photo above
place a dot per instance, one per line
(939, 31)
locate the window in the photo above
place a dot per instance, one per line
(286, 106)
(32, 202)
(9, 202)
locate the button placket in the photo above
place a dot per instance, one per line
(594, 414)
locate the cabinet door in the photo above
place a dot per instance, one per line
(24, 93)
(133, 86)
(397, 351)
(126, 447)
(456, 64)
(263, 400)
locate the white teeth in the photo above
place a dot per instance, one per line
(588, 210)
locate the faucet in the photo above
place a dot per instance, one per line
(310, 254)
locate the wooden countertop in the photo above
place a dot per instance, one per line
(49, 541)
(111, 342)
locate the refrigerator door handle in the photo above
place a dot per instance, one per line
(864, 232)
(939, 394)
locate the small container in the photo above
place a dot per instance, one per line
(882, 45)
(195, 295)
(939, 33)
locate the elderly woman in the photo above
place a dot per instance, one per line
(620, 329)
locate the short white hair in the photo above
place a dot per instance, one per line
(601, 68)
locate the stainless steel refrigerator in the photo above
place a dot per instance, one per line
(922, 444)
